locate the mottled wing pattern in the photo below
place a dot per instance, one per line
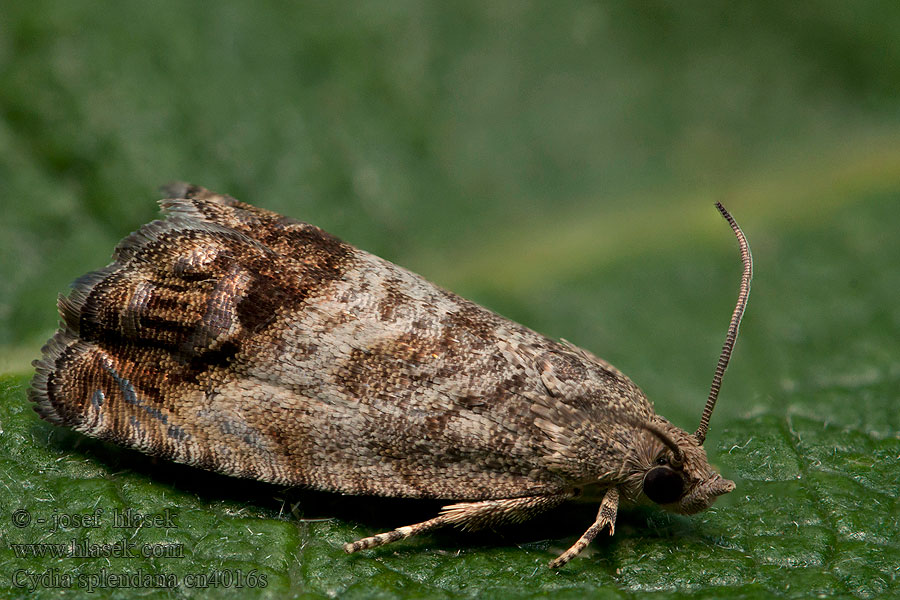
(234, 339)
(146, 339)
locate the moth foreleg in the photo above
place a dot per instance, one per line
(468, 516)
(605, 516)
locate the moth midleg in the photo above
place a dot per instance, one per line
(605, 516)
(468, 516)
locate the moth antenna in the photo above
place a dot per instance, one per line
(677, 454)
(731, 336)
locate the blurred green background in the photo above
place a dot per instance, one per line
(557, 162)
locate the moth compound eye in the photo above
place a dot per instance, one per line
(663, 485)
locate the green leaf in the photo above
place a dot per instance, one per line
(814, 452)
(556, 162)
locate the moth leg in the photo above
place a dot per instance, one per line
(605, 516)
(468, 516)
(401, 533)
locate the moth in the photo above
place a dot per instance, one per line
(234, 339)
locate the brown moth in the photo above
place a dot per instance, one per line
(234, 339)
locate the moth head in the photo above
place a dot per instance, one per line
(672, 470)
(672, 465)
